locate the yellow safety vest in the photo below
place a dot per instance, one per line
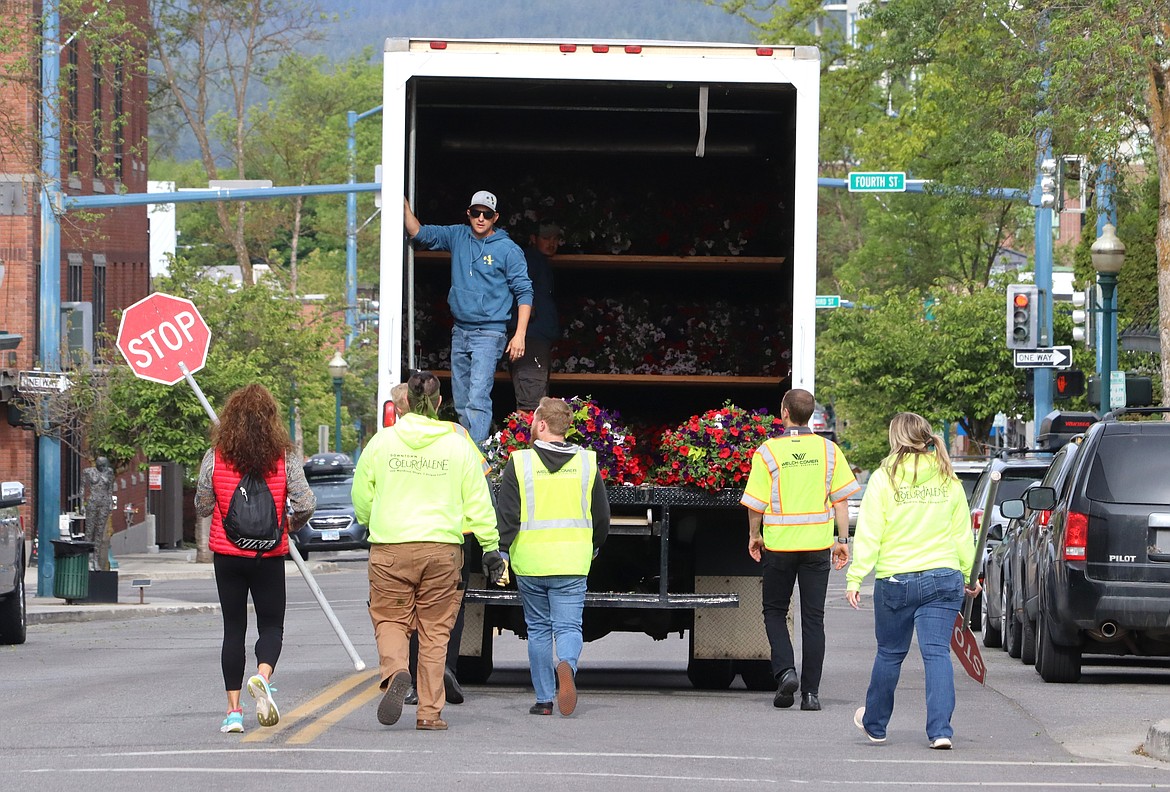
(799, 515)
(556, 515)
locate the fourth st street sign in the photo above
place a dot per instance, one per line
(1053, 357)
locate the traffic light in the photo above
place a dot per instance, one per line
(1023, 309)
(1048, 184)
(1068, 384)
(1082, 317)
(1139, 392)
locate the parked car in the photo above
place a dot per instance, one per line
(822, 422)
(968, 470)
(13, 609)
(334, 525)
(1104, 563)
(854, 504)
(997, 571)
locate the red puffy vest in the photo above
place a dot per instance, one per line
(224, 479)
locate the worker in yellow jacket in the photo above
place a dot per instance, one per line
(914, 533)
(796, 494)
(419, 487)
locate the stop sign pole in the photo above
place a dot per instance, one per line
(164, 339)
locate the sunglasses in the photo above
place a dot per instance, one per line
(475, 213)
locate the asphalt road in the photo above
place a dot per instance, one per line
(137, 703)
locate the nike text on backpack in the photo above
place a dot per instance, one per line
(250, 522)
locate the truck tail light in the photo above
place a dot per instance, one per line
(600, 48)
(439, 45)
(976, 520)
(1076, 535)
(765, 52)
(633, 49)
(389, 414)
(568, 48)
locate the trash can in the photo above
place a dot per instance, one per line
(71, 579)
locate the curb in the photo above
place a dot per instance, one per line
(1158, 741)
(112, 612)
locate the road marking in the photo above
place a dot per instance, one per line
(334, 716)
(321, 700)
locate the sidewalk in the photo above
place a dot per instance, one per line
(156, 567)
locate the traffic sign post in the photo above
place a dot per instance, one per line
(1052, 357)
(877, 182)
(1117, 390)
(43, 382)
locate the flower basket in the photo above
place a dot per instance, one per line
(594, 428)
(714, 450)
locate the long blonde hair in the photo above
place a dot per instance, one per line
(912, 435)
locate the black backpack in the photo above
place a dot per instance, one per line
(250, 522)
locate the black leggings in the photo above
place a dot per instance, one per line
(235, 576)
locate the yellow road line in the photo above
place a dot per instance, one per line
(320, 725)
(321, 700)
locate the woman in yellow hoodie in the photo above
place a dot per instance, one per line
(914, 533)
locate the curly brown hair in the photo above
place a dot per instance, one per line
(250, 434)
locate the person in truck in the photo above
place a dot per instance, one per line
(553, 516)
(488, 272)
(797, 489)
(530, 371)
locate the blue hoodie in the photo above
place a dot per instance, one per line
(486, 274)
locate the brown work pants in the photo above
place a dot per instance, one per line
(415, 586)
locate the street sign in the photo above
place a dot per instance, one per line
(877, 182)
(1052, 357)
(828, 301)
(42, 382)
(1117, 390)
(161, 334)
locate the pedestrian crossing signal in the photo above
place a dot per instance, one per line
(1068, 384)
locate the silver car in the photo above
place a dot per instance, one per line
(12, 604)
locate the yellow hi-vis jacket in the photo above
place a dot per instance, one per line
(794, 481)
(556, 515)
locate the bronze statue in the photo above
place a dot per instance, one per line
(98, 505)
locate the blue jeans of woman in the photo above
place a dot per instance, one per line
(475, 353)
(923, 602)
(552, 608)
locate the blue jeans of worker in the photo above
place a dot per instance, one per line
(923, 602)
(475, 353)
(552, 609)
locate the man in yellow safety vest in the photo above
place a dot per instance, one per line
(553, 517)
(796, 490)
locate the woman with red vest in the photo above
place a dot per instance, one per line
(250, 438)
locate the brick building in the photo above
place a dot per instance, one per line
(105, 262)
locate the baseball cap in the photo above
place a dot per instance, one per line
(484, 198)
(549, 229)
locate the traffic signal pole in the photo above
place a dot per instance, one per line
(1042, 400)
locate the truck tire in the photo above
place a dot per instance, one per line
(13, 612)
(1011, 627)
(992, 638)
(976, 620)
(710, 674)
(473, 670)
(757, 675)
(1027, 641)
(1056, 663)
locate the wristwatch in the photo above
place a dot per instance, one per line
(844, 539)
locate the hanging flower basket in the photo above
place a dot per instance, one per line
(714, 450)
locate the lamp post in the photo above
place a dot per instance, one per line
(337, 369)
(1108, 254)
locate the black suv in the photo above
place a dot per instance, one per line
(334, 525)
(1104, 562)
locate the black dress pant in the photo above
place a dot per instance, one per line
(782, 571)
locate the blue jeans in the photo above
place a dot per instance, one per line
(475, 353)
(926, 602)
(552, 607)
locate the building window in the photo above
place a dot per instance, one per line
(99, 293)
(74, 110)
(73, 286)
(119, 123)
(97, 118)
(71, 485)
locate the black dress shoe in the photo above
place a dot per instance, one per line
(810, 702)
(411, 697)
(789, 683)
(451, 687)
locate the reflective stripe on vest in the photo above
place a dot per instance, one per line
(805, 521)
(556, 515)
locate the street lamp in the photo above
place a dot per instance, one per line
(337, 369)
(1108, 254)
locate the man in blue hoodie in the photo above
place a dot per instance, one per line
(488, 272)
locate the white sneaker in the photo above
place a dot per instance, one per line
(266, 712)
(857, 716)
(941, 743)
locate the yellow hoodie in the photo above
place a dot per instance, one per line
(920, 521)
(421, 481)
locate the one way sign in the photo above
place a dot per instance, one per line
(1054, 357)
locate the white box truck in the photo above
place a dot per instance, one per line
(685, 178)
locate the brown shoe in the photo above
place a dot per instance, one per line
(390, 708)
(566, 688)
(428, 724)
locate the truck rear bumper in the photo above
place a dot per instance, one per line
(605, 599)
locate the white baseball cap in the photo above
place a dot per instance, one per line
(483, 198)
